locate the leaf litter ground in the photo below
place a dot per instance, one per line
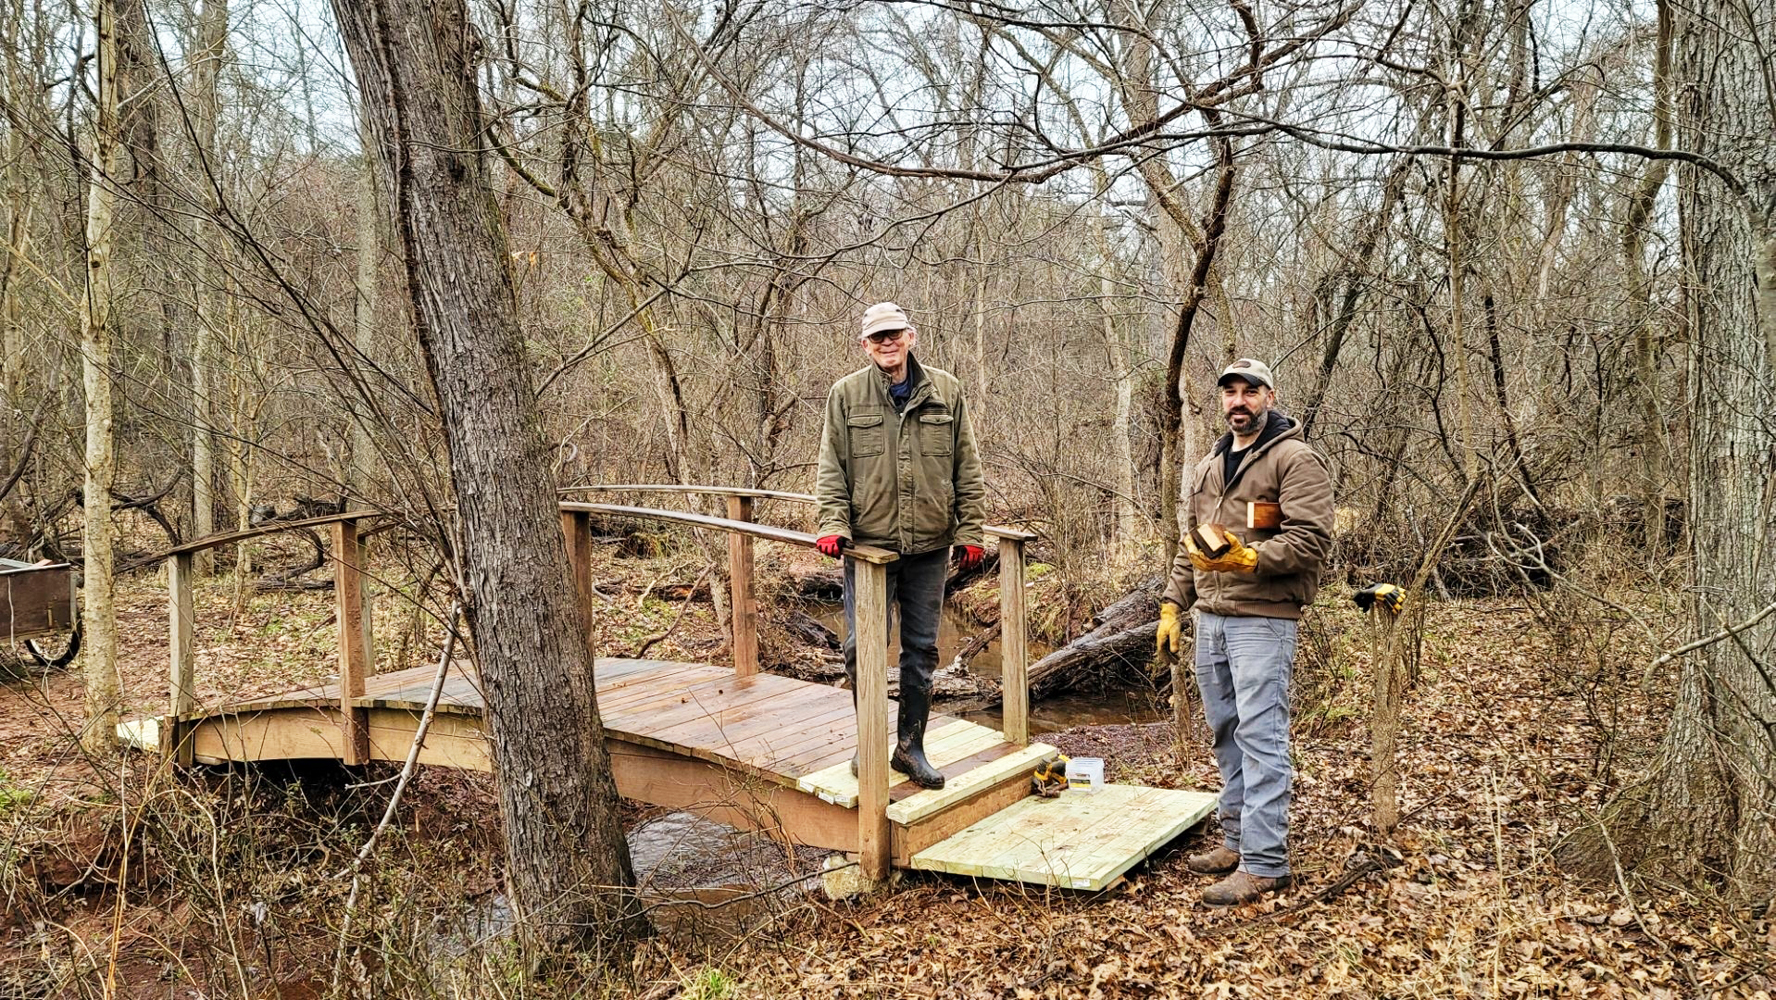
(1507, 744)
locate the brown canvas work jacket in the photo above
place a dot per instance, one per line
(906, 479)
(1279, 468)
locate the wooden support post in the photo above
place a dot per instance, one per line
(576, 527)
(871, 622)
(1014, 650)
(742, 605)
(354, 638)
(181, 609)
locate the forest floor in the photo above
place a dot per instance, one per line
(233, 883)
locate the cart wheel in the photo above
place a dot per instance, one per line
(52, 659)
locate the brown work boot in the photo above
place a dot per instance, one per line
(1242, 887)
(1219, 861)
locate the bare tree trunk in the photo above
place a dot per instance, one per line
(363, 450)
(1710, 791)
(98, 607)
(205, 112)
(1640, 299)
(567, 859)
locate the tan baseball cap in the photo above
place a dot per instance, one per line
(1252, 370)
(883, 316)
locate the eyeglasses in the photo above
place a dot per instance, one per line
(884, 336)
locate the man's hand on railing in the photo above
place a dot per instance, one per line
(971, 556)
(830, 545)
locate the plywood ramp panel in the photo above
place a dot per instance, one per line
(1080, 840)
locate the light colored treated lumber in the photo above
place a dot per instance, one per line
(929, 801)
(576, 531)
(742, 606)
(1077, 841)
(1014, 655)
(288, 734)
(650, 775)
(911, 839)
(874, 845)
(862, 553)
(354, 635)
(953, 741)
(182, 652)
(452, 740)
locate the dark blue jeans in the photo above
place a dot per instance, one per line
(916, 591)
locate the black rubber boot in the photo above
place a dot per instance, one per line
(909, 750)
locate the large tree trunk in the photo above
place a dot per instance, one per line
(98, 608)
(1704, 812)
(568, 864)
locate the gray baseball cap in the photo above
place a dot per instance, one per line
(1252, 370)
(883, 316)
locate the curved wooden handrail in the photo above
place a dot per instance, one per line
(714, 491)
(272, 528)
(997, 531)
(866, 553)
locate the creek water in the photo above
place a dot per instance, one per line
(711, 881)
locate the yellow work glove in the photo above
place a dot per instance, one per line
(1241, 558)
(1170, 630)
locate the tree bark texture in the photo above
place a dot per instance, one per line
(568, 865)
(205, 108)
(98, 607)
(1710, 794)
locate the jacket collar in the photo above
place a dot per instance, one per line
(1276, 427)
(915, 378)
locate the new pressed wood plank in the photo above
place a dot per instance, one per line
(927, 802)
(742, 605)
(182, 650)
(1013, 649)
(720, 730)
(788, 724)
(354, 641)
(817, 757)
(874, 842)
(1166, 813)
(1022, 842)
(673, 708)
(1043, 840)
(658, 687)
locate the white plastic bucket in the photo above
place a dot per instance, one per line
(1085, 774)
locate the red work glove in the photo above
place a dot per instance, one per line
(972, 556)
(829, 545)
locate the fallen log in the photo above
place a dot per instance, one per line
(1120, 643)
(1123, 641)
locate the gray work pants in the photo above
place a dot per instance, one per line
(1243, 666)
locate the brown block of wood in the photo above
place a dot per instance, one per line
(1211, 540)
(1263, 515)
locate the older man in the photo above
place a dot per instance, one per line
(898, 470)
(1263, 481)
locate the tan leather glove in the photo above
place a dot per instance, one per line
(1170, 630)
(1241, 558)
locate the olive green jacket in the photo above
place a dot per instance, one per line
(909, 481)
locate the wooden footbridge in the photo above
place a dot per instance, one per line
(753, 750)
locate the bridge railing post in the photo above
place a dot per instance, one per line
(576, 527)
(1014, 650)
(181, 650)
(742, 604)
(871, 622)
(355, 637)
